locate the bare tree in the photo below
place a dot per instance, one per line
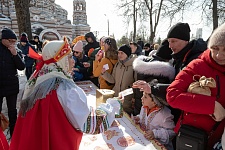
(153, 11)
(134, 19)
(215, 14)
(23, 16)
(213, 11)
(153, 21)
(130, 11)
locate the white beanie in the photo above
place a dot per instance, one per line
(78, 47)
(218, 37)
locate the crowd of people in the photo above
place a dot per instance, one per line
(159, 75)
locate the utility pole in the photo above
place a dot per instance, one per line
(107, 23)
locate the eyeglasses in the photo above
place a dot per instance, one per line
(145, 47)
(76, 52)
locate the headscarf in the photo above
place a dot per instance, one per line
(51, 70)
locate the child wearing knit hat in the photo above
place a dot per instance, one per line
(23, 37)
(155, 118)
(24, 46)
(80, 58)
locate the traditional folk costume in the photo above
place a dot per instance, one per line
(158, 119)
(54, 111)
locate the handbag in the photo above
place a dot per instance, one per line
(4, 122)
(202, 86)
(191, 138)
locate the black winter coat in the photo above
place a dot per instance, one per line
(94, 45)
(38, 45)
(148, 69)
(29, 62)
(9, 82)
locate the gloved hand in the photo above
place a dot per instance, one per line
(219, 112)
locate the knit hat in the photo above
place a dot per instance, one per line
(8, 34)
(158, 92)
(23, 37)
(218, 37)
(78, 47)
(126, 49)
(164, 51)
(147, 45)
(36, 37)
(180, 31)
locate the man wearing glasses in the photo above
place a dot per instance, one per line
(10, 61)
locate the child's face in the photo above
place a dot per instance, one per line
(147, 101)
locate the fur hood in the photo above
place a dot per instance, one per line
(154, 67)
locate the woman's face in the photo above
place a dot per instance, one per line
(147, 101)
(102, 42)
(106, 46)
(76, 54)
(218, 54)
(121, 55)
(133, 48)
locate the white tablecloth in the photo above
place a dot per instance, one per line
(123, 134)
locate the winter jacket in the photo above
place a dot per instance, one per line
(29, 62)
(77, 76)
(94, 45)
(97, 69)
(122, 76)
(161, 123)
(187, 54)
(83, 69)
(149, 68)
(198, 108)
(38, 45)
(138, 51)
(9, 82)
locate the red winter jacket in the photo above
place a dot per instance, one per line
(197, 108)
